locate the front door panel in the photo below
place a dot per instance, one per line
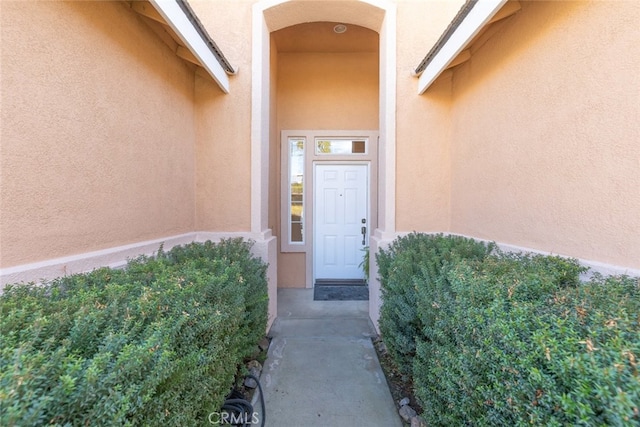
(341, 212)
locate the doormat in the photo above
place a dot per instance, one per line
(335, 291)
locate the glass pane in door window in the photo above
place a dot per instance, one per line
(296, 232)
(296, 190)
(341, 146)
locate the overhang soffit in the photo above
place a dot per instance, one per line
(350, 12)
(183, 33)
(474, 24)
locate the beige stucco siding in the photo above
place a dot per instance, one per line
(223, 180)
(423, 178)
(545, 133)
(423, 161)
(292, 270)
(109, 139)
(97, 131)
(223, 125)
(323, 90)
(327, 90)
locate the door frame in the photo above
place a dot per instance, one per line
(311, 158)
(313, 234)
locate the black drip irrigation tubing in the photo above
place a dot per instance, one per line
(241, 408)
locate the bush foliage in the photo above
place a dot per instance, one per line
(156, 343)
(409, 262)
(518, 340)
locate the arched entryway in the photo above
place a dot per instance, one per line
(270, 16)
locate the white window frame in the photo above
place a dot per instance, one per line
(310, 137)
(285, 224)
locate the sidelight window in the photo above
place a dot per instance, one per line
(296, 202)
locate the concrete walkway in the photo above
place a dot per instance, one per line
(321, 368)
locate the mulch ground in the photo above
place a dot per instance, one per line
(400, 385)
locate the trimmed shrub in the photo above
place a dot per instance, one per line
(517, 340)
(410, 262)
(591, 356)
(157, 343)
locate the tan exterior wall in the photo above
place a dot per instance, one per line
(274, 144)
(319, 90)
(327, 90)
(545, 133)
(423, 172)
(109, 139)
(292, 270)
(223, 179)
(97, 131)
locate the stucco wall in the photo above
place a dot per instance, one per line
(108, 139)
(274, 143)
(422, 122)
(327, 90)
(545, 133)
(323, 90)
(97, 131)
(223, 179)
(223, 153)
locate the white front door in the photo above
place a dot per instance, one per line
(341, 221)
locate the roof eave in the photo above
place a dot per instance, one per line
(469, 21)
(183, 21)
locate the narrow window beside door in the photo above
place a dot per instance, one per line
(296, 191)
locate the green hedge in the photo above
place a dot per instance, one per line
(518, 340)
(156, 343)
(409, 262)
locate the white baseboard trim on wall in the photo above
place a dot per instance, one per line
(594, 266)
(114, 257)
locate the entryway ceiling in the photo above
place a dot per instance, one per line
(349, 12)
(320, 37)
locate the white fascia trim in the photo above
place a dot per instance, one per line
(478, 17)
(179, 22)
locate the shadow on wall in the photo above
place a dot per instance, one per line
(120, 24)
(511, 38)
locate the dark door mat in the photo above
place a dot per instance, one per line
(334, 292)
(340, 282)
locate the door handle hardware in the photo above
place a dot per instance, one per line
(363, 230)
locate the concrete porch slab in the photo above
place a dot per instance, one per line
(321, 368)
